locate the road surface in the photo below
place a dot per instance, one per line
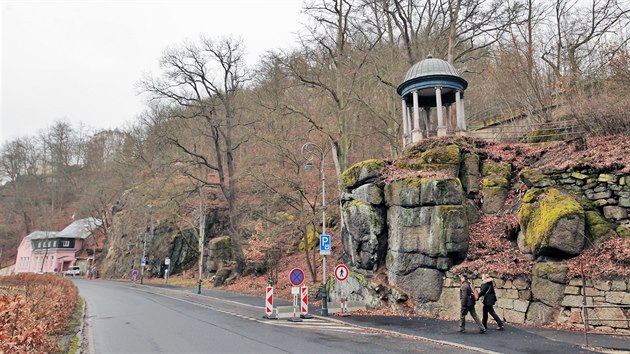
(122, 318)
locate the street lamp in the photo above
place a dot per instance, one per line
(310, 150)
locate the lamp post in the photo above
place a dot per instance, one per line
(143, 262)
(309, 150)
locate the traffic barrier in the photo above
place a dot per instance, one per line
(304, 303)
(269, 310)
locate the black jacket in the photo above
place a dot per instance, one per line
(487, 291)
(465, 295)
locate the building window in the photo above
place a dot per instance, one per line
(39, 245)
(54, 243)
(66, 243)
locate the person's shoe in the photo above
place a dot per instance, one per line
(483, 330)
(500, 328)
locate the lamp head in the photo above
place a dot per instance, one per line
(309, 166)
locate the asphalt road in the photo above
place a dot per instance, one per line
(138, 319)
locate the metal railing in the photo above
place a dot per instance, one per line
(530, 133)
(586, 320)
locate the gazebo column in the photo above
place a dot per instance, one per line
(449, 124)
(441, 129)
(405, 123)
(416, 133)
(427, 121)
(459, 108)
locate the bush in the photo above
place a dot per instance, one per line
(33, 310)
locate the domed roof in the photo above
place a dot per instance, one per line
(429, 74)
(430, 67)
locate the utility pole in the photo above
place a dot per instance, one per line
(202, 234)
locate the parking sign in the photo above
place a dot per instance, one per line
(324, 245)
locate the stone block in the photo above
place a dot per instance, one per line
(616, 297)
(507, 284)
(512, 316)
(505, 303)
(624, 202)
(576, 316)
(520, 283)
(575, 301)
(608, 178)
(593, 292)
(579, 176)
(615, 212)
(615, 317)
(520, 305)
(525, 295)
(572, 290)
(575, 282)
(602, 195)
(368, 193)
(509, 294)
(449, 303)
(448, 282)
(604, 285)
(498, 283)
(618, 285)
(600, 188)
(540, 314)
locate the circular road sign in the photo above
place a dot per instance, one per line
(296, 276)
(134, 273)
(341, 272)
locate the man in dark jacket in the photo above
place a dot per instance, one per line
(468, 305)
(489, 299)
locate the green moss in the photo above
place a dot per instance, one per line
(532, 195)
(623, 231)
(532, 175)
(541, 220)
(544, 135)
(544, 268)
(350, 177)
(490, 168)
(596, 225)
(449, 155)
(360, 278)
(495, 182)
(373, 217)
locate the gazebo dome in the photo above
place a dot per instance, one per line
(429, 73)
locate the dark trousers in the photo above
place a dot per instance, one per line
(489, 309)
(462, 317)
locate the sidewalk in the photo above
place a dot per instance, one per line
(514, 339)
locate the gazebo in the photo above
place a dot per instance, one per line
(430, 83)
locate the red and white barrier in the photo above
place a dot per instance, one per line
(269, 310)
(304, 297)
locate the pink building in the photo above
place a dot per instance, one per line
(52, 252)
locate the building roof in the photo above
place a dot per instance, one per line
(41, 235)
(429, 67)
(80, 229)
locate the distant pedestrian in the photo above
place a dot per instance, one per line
(467, 305)
(489, 299)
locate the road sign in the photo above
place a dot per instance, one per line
(296, 276)
(341, 272)
(167, 261)
(144, 261)
(324, 245)
(134, 273)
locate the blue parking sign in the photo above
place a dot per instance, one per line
(324, 245)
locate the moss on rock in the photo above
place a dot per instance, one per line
(596, 225)
(490, 168)
(361, 171)
(539, 220)
(495, 182)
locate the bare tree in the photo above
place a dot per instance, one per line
(200, 83)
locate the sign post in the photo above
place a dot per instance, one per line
(167, 263)
(296, 276)
(134, 276)
(324, 250)
(341, 273)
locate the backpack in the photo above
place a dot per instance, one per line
(473, 292)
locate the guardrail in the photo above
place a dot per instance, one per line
(530, 133)
(586, 320)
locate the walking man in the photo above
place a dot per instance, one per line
(489, 299)
(468, 305)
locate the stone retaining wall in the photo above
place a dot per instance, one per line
(516, 304)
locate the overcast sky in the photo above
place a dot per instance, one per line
(78, 61)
